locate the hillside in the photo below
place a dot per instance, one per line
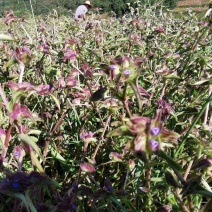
(196, 5)
(23, 7)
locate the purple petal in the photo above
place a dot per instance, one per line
(155, 131)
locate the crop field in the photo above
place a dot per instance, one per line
(108, 114)
(195, 5)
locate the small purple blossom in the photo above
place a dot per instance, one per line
(112, 67)
(15, 185)
(73, 207)
(127, 73)
(155, 131)
(69, 55)
(154, 145)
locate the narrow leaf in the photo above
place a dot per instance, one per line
(28, 140)
(56, 101)
(6, 37)
(175, 166)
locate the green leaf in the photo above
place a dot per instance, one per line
(11, 62)
(116, 202)
(57, 102)
(23, 199)
(175, 166)
(171, 76)
(57, 155)
(17, 95)
(129, 205)
(10, 106)
(28, 140)
(29, 201)
(35, 132)
(36, 162)
(123, 130)
(203, 193)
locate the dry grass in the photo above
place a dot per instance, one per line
(185, 9)
(195, 5)
(192, 3)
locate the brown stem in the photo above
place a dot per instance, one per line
(148, 176)
(207, 107)
(190, 204)
(101, 137)
(125, 100)
(163, 91)
(7, 139)
(185, 209)
(137, 94)
(188, 170)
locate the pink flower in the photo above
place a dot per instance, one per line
(71, 81)
(69, 55)
(20, 86)
(20, 112)
(10, 17)
(86, 167)
(115, 156)
(159, 29)
(2, 135)
(131, 164)
(61, 83)
(44, 89)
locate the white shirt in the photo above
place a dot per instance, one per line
(81, 10)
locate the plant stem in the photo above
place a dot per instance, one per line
(180, 148)
(101, 137)
(207, 107)
(4, 98)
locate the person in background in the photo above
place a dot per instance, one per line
(81, 11)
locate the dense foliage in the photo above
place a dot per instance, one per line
(106, 115)
(66, 6)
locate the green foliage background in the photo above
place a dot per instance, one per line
(40, 7)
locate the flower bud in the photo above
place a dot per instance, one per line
(131, 165)
(115, 156)
(87, 168)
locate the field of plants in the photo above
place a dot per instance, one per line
(106, 115)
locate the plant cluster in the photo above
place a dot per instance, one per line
(106, 115)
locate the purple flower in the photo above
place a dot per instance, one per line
(44, 89)
(155, 131)
(61, 82)
(15, 185)
(73, 207)
(69, 55)
(108, 185)
(127, 73)
(159, 29)
(20, 111)
(71, 81)
(20, 86)
(18, 151)
(154, 145)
